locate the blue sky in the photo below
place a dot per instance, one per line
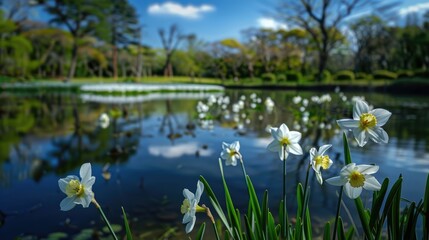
(215, 20)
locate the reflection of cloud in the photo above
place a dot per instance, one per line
(178, 150)
(414, 9)
(172, 8)
(262, 142)
(270, 23)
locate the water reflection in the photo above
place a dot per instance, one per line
(152, 149)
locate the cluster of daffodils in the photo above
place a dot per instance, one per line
(241, 113)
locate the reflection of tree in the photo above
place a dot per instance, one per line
(170, 121)
(114, 144)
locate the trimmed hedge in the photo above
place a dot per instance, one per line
(293, 76)
(421, 74)
(362, 76)
(268, 77)
(281, 78)
(345, 75)
(404, 73)
(384, 74)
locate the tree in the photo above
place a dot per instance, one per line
(80, 17)
(170, 44)
(321, 20)
(122, 26)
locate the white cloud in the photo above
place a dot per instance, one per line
(414, 9)
(178, 150)
(270, 23)
(176, 9)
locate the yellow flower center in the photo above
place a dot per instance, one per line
(285, 141)
(185, 206)
(367, 120)
(323, 161)
(232, 153)
(75, 188)
(356, 179)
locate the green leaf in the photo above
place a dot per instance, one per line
(249, 229)
(265, 212)
(363, 218)
(347, 156)
(127, 226)
(201, 231)
(340, 230)
(350, 232)
(216, 205)
(378, 198)
(327, 232)
(395, 221)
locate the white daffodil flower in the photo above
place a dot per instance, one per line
(319, 160)
(104, 120)
(231, 153)
(355, 177)
(285, 138)
(190, 206)
(366, 124)
(78, 192)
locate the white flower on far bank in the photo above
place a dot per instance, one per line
(319, 160)
(230, 153)
(366, 124)
(283, 138)
(190, 206)
(355, 177)
(104, 120)
(78, 192)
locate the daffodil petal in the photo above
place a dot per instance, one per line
(371, 183)
(352, 192)
(89, 182)
(323, 149)
(348, 124)
(378, 135)
(85, 172)
(199, 191)
(360, 136)
(319, 177)
(382, 116)
(67, 203)
(337, 181)
(235, 145)
(313, 154)
(294, 148)
(360, 108)
(190, 225)
(225, 145)
(187, 218)
(274, 146)
(188, 194)
(294, 136)
(367, 169)
(346, 170)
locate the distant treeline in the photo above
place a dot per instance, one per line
(98, 38)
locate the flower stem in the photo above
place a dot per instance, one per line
(242, 166)
(338, 213)
(304, 208)
(209, 214)
(284, 193)
(104, 218)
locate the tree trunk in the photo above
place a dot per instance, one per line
(115, 61)
(73, 62)
(323, 58)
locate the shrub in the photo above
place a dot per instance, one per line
(281, 78)
(293, 76)
(362, 76)
(268, 77)
(384, 74)
(405, 73)
(326, 76)
(345, 75)
(421, 74)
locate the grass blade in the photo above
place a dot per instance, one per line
(127, 226)
(201, 231)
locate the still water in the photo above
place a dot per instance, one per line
(153, 147)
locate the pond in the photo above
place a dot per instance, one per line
(152, 148)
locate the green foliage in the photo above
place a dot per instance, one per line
(404, 74)
(281, 78)
(362, 76)
(421, 74)
(345, 75)
(293, 76)
(384, 74)
(326, 76)
(268, 77)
